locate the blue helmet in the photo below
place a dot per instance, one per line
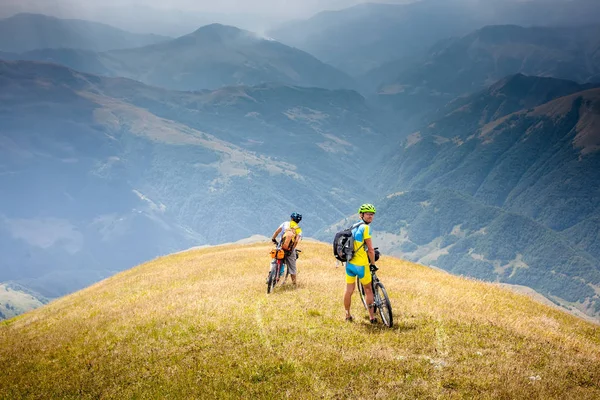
(296, 217)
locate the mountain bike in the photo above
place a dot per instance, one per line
(381, 301)
(275, 270)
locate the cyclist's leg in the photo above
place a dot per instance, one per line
(290, 261)
(278, 265)
(348, 296)
(351, 276)
(282, 268)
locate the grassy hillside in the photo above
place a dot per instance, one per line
(199, 324)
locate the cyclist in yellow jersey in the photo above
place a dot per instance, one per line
(358, 266)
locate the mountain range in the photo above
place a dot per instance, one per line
(464, 236)
(211, 57)
(151, 180)
(26, 32)
(457, 67)
(364, 37)
(481, 153)
(481, 58)
(511, 156)
(520, 161)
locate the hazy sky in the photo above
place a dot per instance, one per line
(288, 8)
(178, 17)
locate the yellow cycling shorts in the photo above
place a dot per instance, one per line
(353, 271)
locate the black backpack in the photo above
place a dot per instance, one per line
(343, 243)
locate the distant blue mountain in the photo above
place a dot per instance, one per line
(211, 57)
(367, 36)
(415, 90)
(470, 63)
(99, 174)
(528, 145)
(26, 32)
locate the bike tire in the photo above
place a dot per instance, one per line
(383, 305)
(361, 292)
(272, 280)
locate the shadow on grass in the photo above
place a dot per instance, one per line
(287, 287)
(379, 327)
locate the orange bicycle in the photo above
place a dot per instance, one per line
(277, 267)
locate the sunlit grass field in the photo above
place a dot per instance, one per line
(199, 324)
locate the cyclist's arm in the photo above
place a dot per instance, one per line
(297, 242)
(274, 237)
(370, 250)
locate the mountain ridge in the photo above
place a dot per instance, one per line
(463, 236)
(212, 56)
(357, 41)
(506, 131)
(153, 165)
(516, 151)
(27, 31)
(118, 168)
(512, 94)
(470, 63)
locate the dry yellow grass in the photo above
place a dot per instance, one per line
(199, 324)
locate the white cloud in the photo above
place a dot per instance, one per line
(46, 233)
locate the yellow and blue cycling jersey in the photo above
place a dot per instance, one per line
(359, 264)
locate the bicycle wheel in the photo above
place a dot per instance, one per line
(361, 292)
(272, 279)
(383, 304)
